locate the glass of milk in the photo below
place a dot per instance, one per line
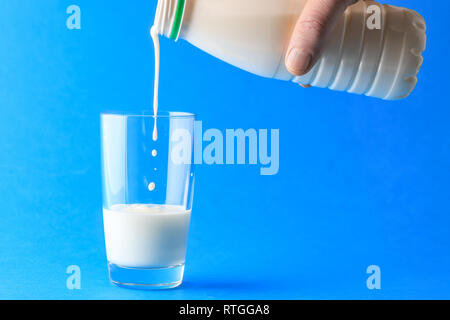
(147, 196)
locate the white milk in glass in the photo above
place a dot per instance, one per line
(146, 236)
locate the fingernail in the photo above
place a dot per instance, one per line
(298, 61)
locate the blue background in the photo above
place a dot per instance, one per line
(361, 182)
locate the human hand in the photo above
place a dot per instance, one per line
(316, 22)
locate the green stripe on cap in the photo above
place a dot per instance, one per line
(176, 27)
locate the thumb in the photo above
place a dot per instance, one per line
(316, 22)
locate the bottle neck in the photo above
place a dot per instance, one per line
(169, 18)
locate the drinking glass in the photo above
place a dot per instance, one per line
(147, 196)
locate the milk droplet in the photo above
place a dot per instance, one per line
(154, 153)
(151, 186)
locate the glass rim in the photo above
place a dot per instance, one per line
(146, 114)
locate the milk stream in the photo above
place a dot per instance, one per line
(155, 37)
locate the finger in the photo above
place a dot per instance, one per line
(316, 22)
(306, 86)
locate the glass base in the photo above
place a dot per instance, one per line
(146, 278)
